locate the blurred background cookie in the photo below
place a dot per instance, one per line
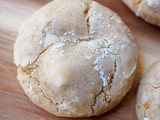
(148, 98)
(149, 10)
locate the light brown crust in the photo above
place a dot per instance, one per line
(77, 66)
(147, 11)
(148, 97)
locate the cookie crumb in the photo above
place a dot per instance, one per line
(146, 105)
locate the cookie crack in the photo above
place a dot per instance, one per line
(29, 71)
(41, 90)
(42, 53)
(111, 80)
(39, 85)
(107, 96)
(95, 100)
(46, 97)
(155, 87)
(86, 11)
(46, 28)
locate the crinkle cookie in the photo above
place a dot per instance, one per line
(75, 58)
(149, 10)
(148, 98)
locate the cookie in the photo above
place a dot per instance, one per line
(148, 98)
(75, 58)
(149, 10)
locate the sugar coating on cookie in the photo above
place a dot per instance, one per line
(145, 118)
(154, 3)
(149, 10)
(148, 98)
(75, 58)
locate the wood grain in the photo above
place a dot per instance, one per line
(14, 104)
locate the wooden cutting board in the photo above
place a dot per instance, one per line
(15, 105)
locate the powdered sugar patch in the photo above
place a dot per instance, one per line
(154, 3)
(146, 118)
(97, 15)
(58, 46)
(97, 65)
(101, 48)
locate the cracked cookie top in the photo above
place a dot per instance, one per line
(75, 58)
(148, 98)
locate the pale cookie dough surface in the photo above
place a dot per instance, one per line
(148, 98)
(149, 10)
(75, 58)
(153, 3)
